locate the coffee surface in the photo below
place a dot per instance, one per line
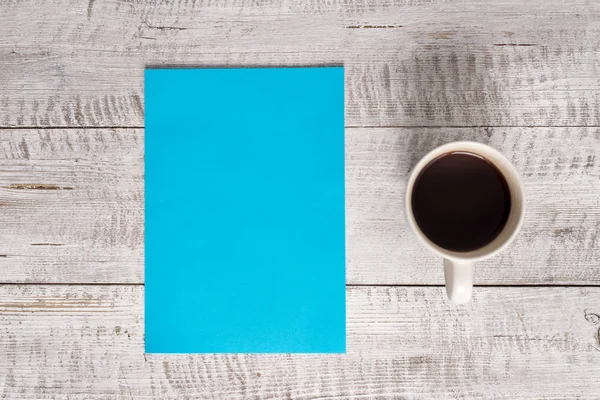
(461, 201)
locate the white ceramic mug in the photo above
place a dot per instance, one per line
(459, 266)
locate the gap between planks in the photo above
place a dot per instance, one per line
(366, 285)
(15, 128)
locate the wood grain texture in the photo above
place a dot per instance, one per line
(408, 63)
(71, 205)
(76, 342)
(71, 200)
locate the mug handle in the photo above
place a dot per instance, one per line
(459, 280)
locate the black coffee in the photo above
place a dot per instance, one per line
(461, 201)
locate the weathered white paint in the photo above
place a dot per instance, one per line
(71, 200)
(71, 205)
(71, 342)
(415, 63)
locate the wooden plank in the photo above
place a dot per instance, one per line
(409, 63)
(560, 239)
(71, 205)
(87, 342)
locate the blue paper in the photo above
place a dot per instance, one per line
(245, 236)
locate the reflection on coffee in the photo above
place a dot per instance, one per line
(461, 201)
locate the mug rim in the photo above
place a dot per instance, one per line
(465, 146)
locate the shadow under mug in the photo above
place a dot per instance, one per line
(459, 266)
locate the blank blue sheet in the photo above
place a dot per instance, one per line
(244, 210)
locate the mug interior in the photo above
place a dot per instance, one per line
(515, 217)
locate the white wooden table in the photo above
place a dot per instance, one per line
(522, 76)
